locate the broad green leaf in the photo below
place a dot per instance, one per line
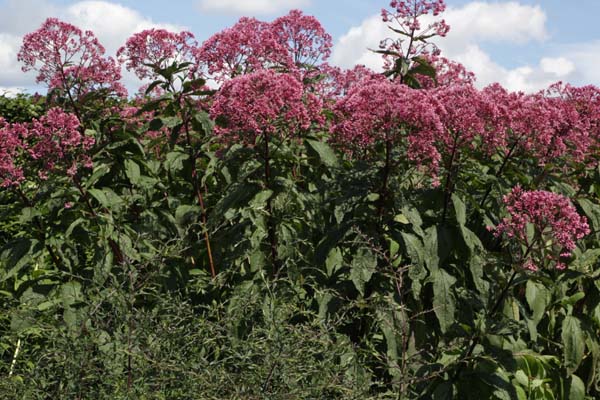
(16, 255)
(576, 388)
(431, 253)
(132, 170)
(401, 218)
(416, 253)
(174, 161)
(538, 297)
(573, 342)
(362, 268)
(325, 153)
(99, 171)
(443, 300)
(334, 261)
(186, 214)
(70, 293)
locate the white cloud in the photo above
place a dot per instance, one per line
(111, 23)
(471, 25)
(10, 91)
(586, 57)
(245, 7)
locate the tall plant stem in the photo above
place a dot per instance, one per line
(270, 223)
(449, 185)
(383, 192)
(500, 171)
(200, 198)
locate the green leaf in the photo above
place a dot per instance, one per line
(99, 195)
(70, 293)
(186, 214)
(416, 253)
(573, 342)
(443, 299)
(431, 253)
(325, 153)
(132, 170)
(576, 388)
(538, 297)
(174, 161)
(334, 261)
(171, 122)
(15, 256)
(401, 218)
(99, 171)
(363, 267)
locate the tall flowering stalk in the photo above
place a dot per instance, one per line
(381, 112)
(304, 38)
(544, 225)
(404, 18)
(71, 61)
(151, 50)
(261, 108)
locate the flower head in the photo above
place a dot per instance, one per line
(545, 224)
(263, 102)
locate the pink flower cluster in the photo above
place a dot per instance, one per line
(10, 147)
(404, 18)
(448, 73)
(263, 102)
(41, 146)
(304, 37)
(385, 111)
(293, 43)
(556, 226)
(68, 59)
(247, 46)
(158, 48)
(544, 125)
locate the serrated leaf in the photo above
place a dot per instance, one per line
(334, 261)
(576, 388)
(325, 153)
(443, 298)
(99, 171)
(132, 170)
(401, 218)
(573, 342)
(362, 269)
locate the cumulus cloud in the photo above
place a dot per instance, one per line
(111, 23)
(586, 58)
(472, 25)
(245, 7)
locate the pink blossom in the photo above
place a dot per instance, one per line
(11, 173)
(333, 83)
(41, 146)
(263, 102)
(555, 221)
(448, 73)
(376, 111)
(404, 18)
(545, 125)
(249, 45)
(68, 59)
(306, 41)
(158, 48)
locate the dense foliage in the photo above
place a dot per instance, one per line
(294, 230)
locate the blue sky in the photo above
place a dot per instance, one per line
(523, 44)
